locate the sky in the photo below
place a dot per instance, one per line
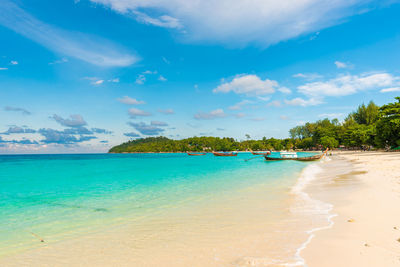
(80, 76)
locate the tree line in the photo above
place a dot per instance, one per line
(369, 126)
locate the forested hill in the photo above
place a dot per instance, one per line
(370, 126)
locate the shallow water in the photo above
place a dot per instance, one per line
(209, 210)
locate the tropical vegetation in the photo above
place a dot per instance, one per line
(368, 127)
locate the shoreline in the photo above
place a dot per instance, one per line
(364, 228)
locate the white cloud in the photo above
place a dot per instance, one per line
(140, 79)
(330, 115)
(114, 80)
(302, 102)
(258, 119)
(13, 62)
(3, 68)
(235, 22)
(348, 84)
(135, 112)
(240, 115)
(98, 82)
(84, 47)
(284, 117)
(59, 61)
(308, 76)
(250, 85)
(285, 90)
(391, 89)
(169, 111)
(130, 101)
(239, 105)
(162, 78)
(275, 103)
(218, 113)
(341, 65)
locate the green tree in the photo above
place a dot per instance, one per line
(388, 124)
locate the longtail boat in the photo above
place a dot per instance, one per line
(293, 156)
(195, 154)
(225, 154)
(261, 153)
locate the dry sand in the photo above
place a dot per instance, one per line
(366, 230)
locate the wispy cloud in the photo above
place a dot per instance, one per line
(238, 106)
(135, 112)
(130, 101)
(14, 62)
(298, 101)
(218, 113)
(330, 115)
(391, 89)
(3, 68)
(17, 109)
(236, 24)
(84, 47)
(168, 111)
(342, 65)
(59, 61)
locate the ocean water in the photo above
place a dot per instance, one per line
(219, 200)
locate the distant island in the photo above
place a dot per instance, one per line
(369, 127)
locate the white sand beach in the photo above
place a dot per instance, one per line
(366, 230)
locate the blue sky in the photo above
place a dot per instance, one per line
(82, 76)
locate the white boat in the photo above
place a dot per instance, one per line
(286, 155)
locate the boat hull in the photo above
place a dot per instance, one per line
(196, 154)
(225, 154)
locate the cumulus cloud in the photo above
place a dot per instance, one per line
(73, 121)
(21, 142)
(22, 110)
(146, 129)
(14, 62)
(349, 84)
(135, 112)
(130, 101)
(88, 48)
(158, 123)
(168, 111)
(101, 131)
(236, 23)
(131, 134)
(18, 130)
(218, 113)
(250, 85)
(62, 137)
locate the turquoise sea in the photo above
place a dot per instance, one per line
(57, 197)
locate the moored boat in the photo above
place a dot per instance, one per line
(261, 153)
(225, 154)
(196, 154)
(291, 156)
